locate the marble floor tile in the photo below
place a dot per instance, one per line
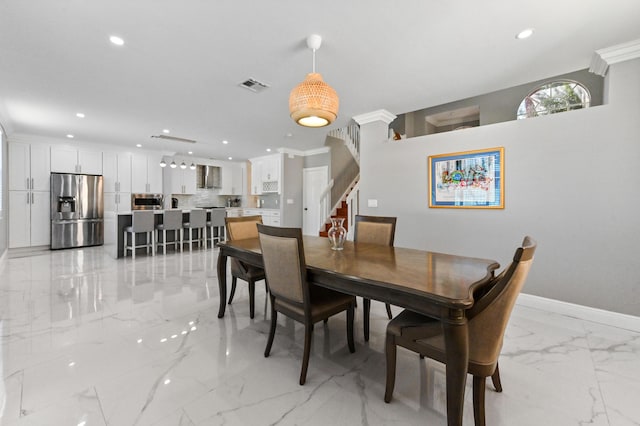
(89, 340)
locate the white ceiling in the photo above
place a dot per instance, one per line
(183, 60)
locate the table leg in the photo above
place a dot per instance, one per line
(456, 337)
(222, 282)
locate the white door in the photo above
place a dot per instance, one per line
(19, 219)
(314, 181)
(40, 218)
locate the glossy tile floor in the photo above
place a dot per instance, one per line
(89, 340)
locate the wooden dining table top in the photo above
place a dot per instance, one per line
(444, 279)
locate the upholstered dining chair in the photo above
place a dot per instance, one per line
(290, 292)
(197, 221)
(487, 321)
(374, 230)
(242, 228)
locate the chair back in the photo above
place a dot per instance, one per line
(217, 217)
(197, 218)
(172, 219)
(489, 316)
(375, 230)
(284, 263)
(143, 221)
(243, 227)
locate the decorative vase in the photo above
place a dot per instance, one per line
(337, 234)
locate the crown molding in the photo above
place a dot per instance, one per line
(370, 117)
(602, 58)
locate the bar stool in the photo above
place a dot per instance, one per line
(198, 221)
(141, 221)
(216, 226)
(171, 221)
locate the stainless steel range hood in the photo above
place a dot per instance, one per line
(208, 177)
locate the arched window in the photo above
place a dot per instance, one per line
(554, 97)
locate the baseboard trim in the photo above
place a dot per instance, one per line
(614, 319)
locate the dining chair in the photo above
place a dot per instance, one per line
(242, 228)
(374, 230)
(197, 221)
(142, 221)
(171, 221)
(290, 292)
(487, 322)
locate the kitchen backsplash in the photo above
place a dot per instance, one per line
(208, 198)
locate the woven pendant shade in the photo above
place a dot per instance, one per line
(313, 103)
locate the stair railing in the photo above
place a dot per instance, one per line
(324, 211)
(351, 137)
(353, 205)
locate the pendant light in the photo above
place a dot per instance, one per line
(192, 166)
(313, 103)
(183, 165)
(173, 164)
(163, 163)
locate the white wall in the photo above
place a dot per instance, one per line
(571, 182)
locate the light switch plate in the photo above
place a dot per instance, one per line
(289, 201)
(372, 203)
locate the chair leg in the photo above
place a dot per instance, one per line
(390, 354)
(234, 281)
(495, 378)
(478, 400)
(272, 330)
(252, 298)
(308, 334)
(389, 314)
(350, 317)
(365, 316)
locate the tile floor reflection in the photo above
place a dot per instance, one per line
(89, 340)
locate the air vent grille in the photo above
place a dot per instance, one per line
(254, 85)
(173, 138)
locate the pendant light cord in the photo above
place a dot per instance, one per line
(314, 60)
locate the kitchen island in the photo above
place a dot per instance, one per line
(116, 222)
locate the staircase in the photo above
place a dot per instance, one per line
(343, 212)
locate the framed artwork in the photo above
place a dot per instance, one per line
(470, 179)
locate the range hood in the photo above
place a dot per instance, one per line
(208, 177)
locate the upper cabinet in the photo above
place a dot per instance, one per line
(71, 160)
(146, 174)
(233, 179)
(179, 181)
(29, 167)
(266, 174)
(116, 171)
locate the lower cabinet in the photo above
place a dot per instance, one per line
(270, 217)
(29, 218)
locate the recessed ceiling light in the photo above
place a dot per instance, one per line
(166, 131)
(225, 142)
(116, 40)
(190, 152)
(524, 34)
(70, 136)
(139, 145)
(79, 115)
(230, 158)
(268, 149)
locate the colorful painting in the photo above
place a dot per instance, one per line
(471, 179)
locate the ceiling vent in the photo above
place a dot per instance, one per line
(254, 85)
(173, 138)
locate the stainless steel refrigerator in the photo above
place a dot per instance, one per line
(77, 210)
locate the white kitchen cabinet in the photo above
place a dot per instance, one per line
(146, 174)
(180, 181)
(266, 174)
(116, 181)
(29, 167)
(270, 217)
(70, 160)
(29, 216)
(233, 179)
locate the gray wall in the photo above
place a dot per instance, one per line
(569, 183)
(4, 193)
(495, 107)
(292, 190)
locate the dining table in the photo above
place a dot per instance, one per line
(437, 285)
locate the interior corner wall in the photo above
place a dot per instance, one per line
(569, 183)
(4, 193)
(292, 191)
